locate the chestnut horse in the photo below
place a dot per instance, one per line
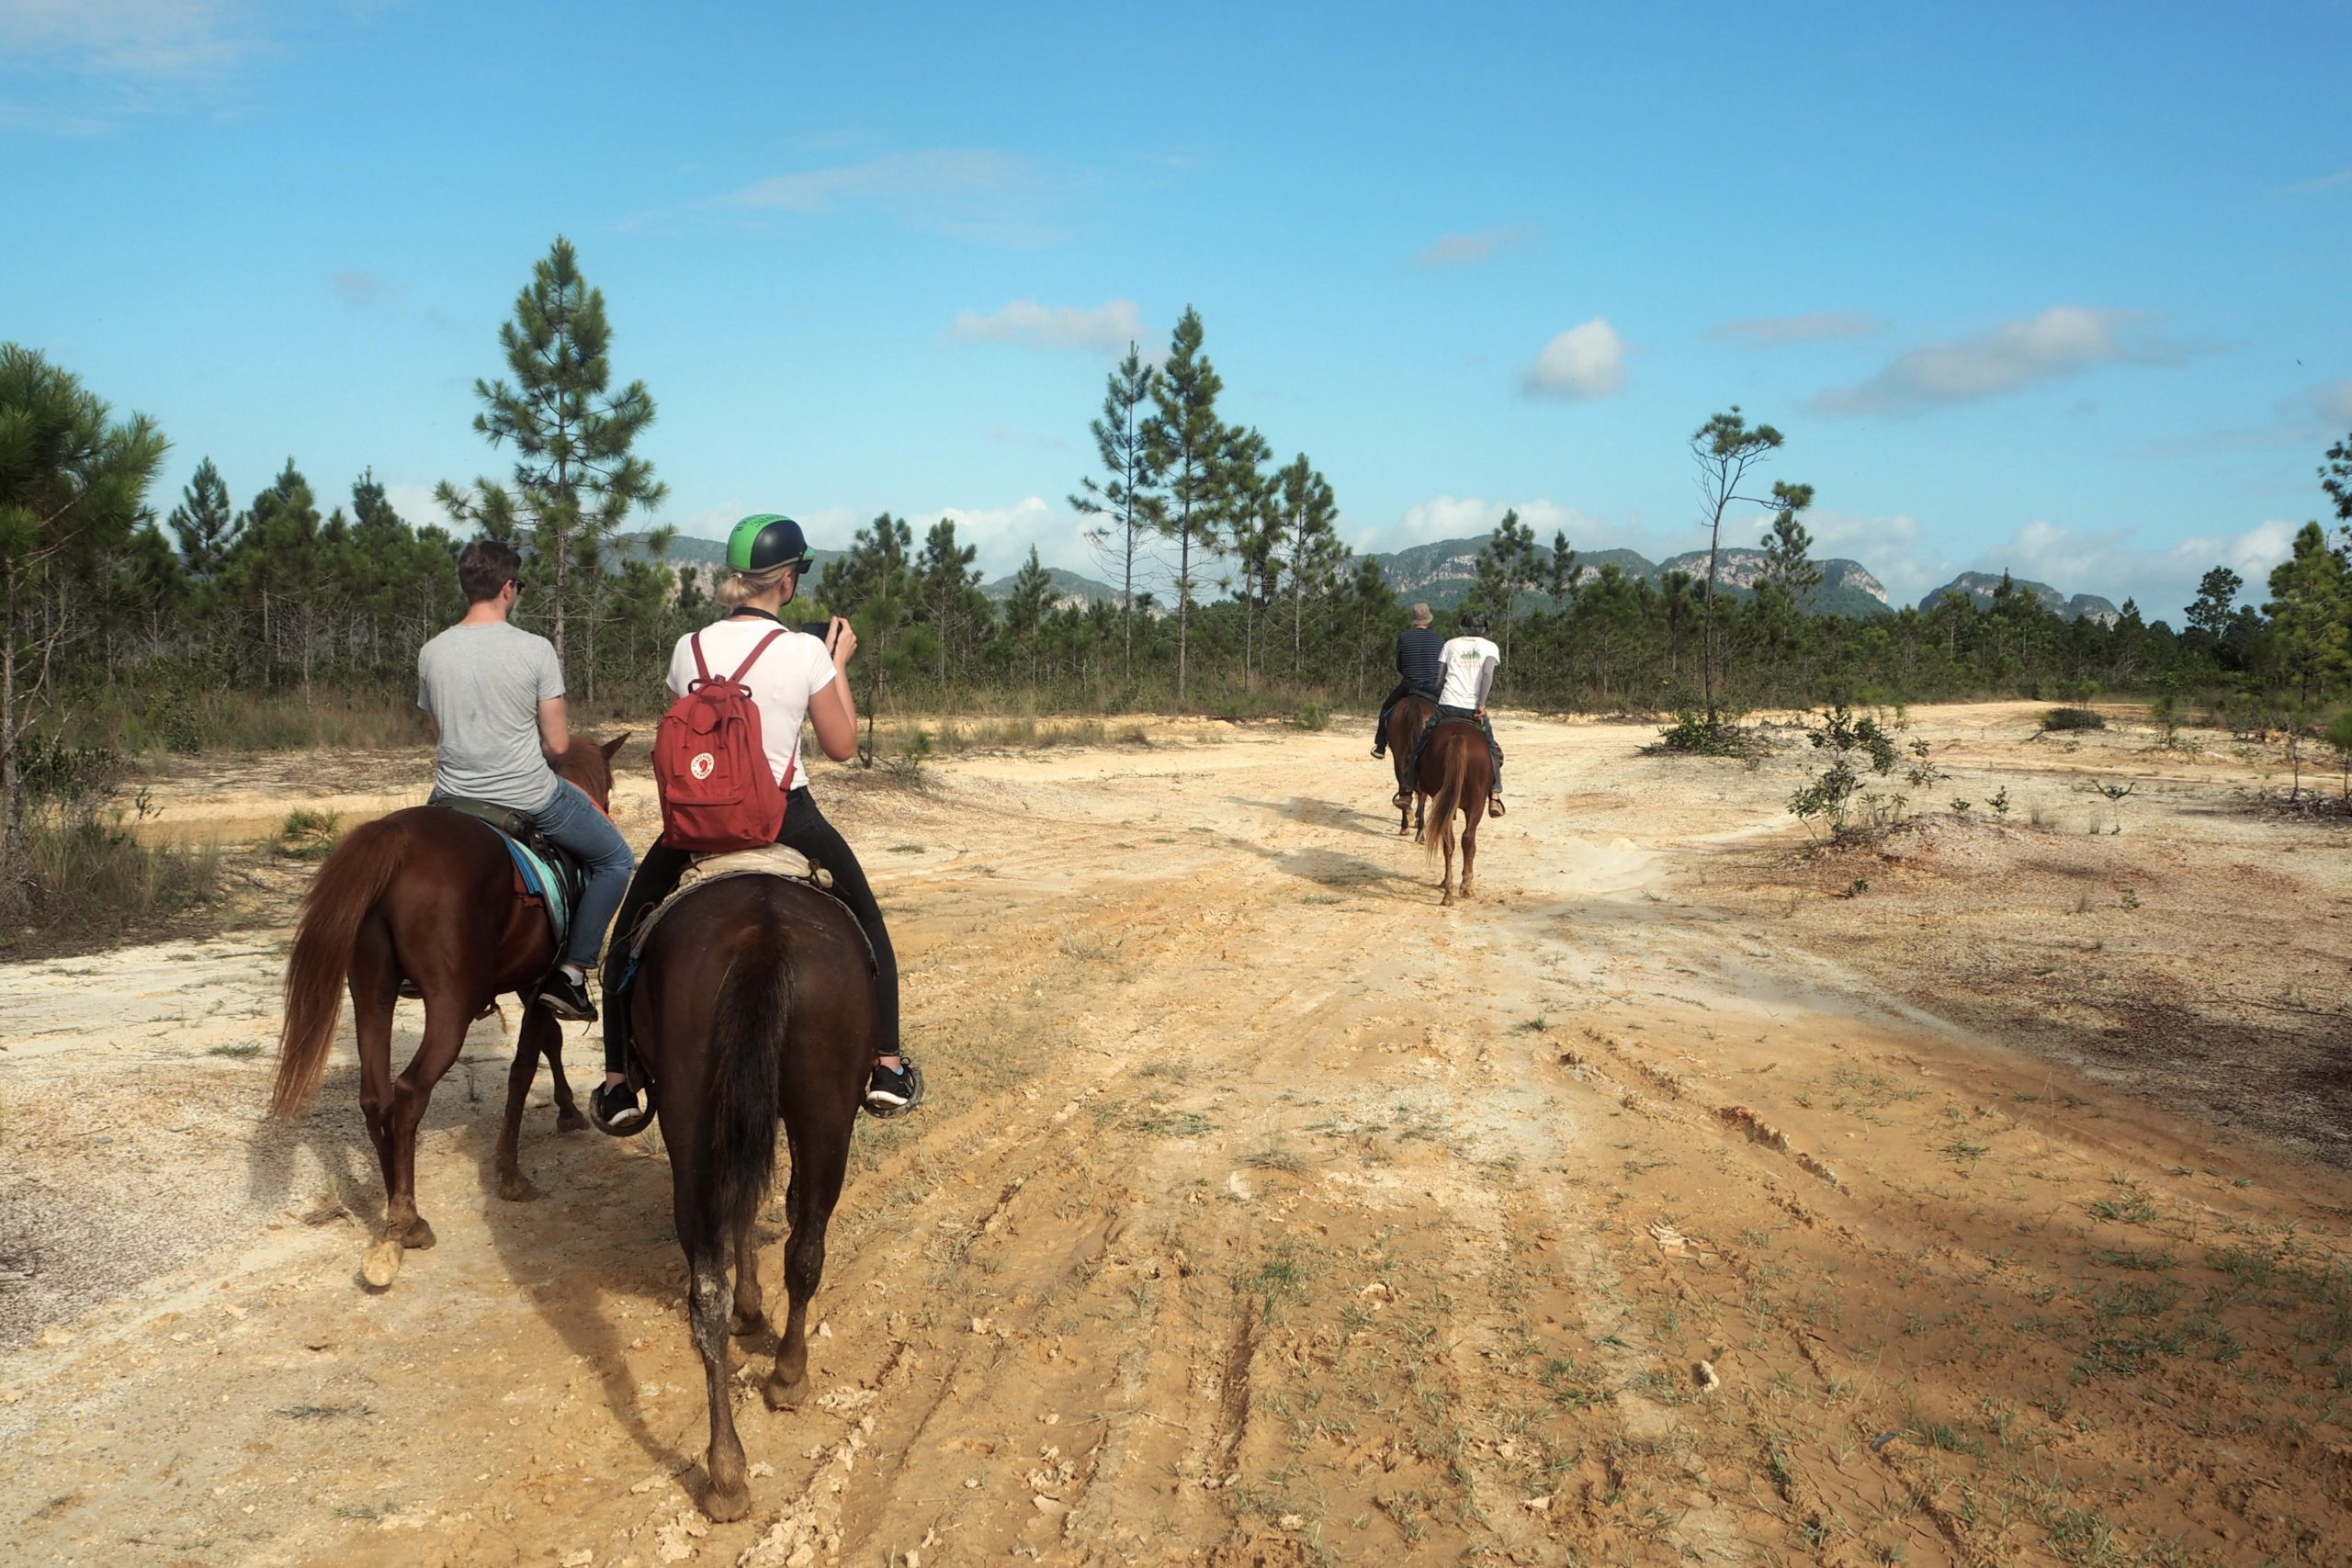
(1406, 722)
(1455, 773)
(426, 893)
(754, 1002)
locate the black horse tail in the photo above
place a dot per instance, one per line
(750, 1027)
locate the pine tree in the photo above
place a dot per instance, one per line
(2311, 616)
(1248, 511)
(1026, 606)
(73, 486)
(575, 476)
(1122, 499)
(1187, 444)
(204, 522)
(1310, 524)
(946, 584)
(1505, 568)
(1727, 450)
(1560, 576)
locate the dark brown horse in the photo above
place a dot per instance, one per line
(1456, 771)
(1406, 722)
(427, 895)
(754, 1002)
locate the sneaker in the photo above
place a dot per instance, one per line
(894, 1093)
(614, 1108)
(567, 998)
(1494, 806)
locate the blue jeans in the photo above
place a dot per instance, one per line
(572, 820)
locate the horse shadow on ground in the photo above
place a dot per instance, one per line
(597, 1236)
(1315, 812)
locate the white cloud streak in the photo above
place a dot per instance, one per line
(1586, 361)
(1467, 250)
(130, 37)
(973, 192)
(2062, 341)
(1816, 326)
(1107, 328)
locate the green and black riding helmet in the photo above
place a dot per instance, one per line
(765, 541)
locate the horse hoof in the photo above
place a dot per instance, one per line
(726, 1507)
(420, 1236)
(568, 1120)
(517, 1189)
(383, 1264)
(743, 1325)
(782, 1396)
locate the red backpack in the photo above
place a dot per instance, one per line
(711, 767)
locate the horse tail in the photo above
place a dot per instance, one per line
(750, 1027)
(1453, 764)
(346, 889)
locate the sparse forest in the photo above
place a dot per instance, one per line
(137, 625)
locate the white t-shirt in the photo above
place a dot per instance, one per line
(795, 668)
(1464, 657)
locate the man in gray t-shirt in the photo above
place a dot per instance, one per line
(496, 692)
(483, 681)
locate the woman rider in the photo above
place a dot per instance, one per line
(797, 678)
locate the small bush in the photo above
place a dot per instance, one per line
(309, 835)
(2073, 718)
(1696, 735)
(1314, 715)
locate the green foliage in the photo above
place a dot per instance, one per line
(1704, 735)
(2072, 718)
(1856, 747)
(1313, 717)
(309, 835)
(1190, 449)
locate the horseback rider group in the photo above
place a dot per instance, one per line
(1456, 674)
(495, 693)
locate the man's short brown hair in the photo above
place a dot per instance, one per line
(486, 566)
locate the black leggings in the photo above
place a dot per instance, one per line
(805, 830)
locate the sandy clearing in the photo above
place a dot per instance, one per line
(1266, 1213)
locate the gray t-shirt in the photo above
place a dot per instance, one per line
(484, 686)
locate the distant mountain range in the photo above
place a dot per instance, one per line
(1442, 573)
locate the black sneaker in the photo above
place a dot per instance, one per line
(614, 1108)
(894, 1093)
(567, 997)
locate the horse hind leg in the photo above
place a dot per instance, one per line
(730, 1496)
(512, 1185)
(445, 1018)
(750, 1315)
(815, 1188)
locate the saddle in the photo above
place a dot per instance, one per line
(545, 875)
(767, 860)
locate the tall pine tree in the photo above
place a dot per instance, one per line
(1188, 447)
(204, 522)
(1122, 498)
(1310, 516)
(576, 478)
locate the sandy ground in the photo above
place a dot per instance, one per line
(1265, 1213)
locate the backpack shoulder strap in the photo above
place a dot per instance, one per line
(702, 671)
(745, 668)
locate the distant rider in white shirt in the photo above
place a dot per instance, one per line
(1470, 663)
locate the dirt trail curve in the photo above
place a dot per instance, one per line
(1263, 1214)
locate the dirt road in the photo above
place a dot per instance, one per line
(1675, 1200)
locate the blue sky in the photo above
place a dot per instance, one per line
(2060, 292)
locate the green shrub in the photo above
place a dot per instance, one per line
(309, 835)
(2073, 718)
(1314, 715)
(1696, 735)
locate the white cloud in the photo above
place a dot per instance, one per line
(1461, 518)
(974, 192)
(134, 38)
(1464, 250)
(1817, 326)
(365, 292)
(1107, 328)
(2062, 341)
(2326, 182)
(1587, 361)
(416, 506)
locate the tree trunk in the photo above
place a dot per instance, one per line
(13, 855)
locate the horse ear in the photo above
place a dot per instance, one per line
(609, 747)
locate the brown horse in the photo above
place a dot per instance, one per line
(1406, 722)
(426, 893)
(1456, 771)
(754, 1001)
